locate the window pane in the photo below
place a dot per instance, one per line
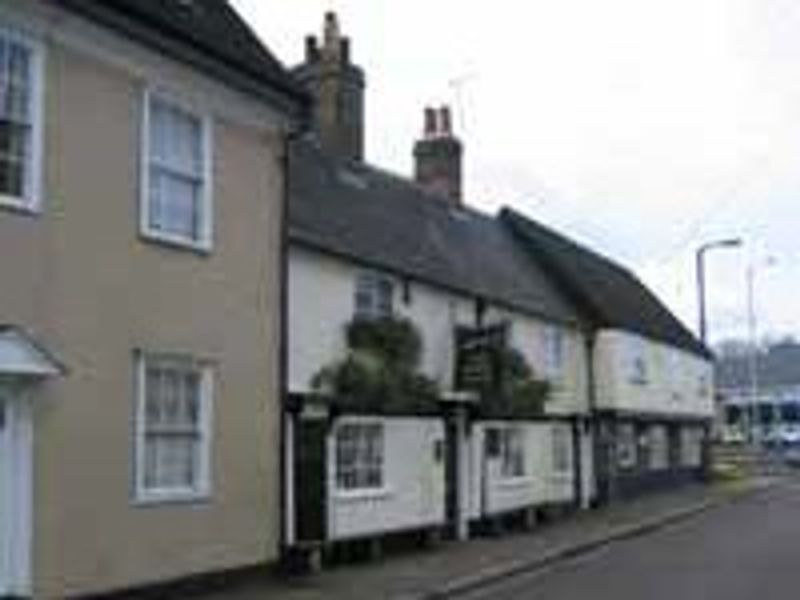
(174, 204)
(359, 456)
(15, 74)
(191, 399)
(171, 432)
(373, 296)
(14, 154)
(176, 171)
(15, 118)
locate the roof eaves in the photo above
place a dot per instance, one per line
(598, 317)
(311, 243)
(283, 93)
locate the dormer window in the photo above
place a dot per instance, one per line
(374, 296)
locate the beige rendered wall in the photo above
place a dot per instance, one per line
(79, 277)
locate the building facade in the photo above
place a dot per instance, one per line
(652, 395)
(140, 211)
(368, 247)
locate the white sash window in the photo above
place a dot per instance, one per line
(20, 121)
(176, 203)
(173, 428)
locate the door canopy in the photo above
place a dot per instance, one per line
(20, 356)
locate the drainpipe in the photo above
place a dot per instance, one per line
(592, 424)
(291, 134)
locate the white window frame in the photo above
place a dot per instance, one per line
(205, 241)
(31, 201)
(555, 349)
(370, 283)
(513, 464)
(202, 489)
(360, 462)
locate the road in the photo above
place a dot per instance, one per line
(745, 551)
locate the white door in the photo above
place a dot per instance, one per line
(15, 493)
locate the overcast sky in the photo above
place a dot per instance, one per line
(640, 127)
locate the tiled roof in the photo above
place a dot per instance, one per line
(209, 34)
(369, 216)
(609, 294)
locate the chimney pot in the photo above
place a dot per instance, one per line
(312, 49)
(438, 156)
(445, 122)
(331, 29)
(430, 123)
(337, 87)
(344, 50)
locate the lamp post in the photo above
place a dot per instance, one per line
(752, 330)
(701, 278)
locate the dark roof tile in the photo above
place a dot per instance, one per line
(610, 294)
(370, 216)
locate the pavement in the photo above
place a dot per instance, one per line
(456, 569)
(739, 551)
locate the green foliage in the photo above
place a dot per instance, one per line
(394, 341)
(380, 367)
(521, 391)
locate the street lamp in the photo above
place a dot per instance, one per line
(752, 329)
(701, 277)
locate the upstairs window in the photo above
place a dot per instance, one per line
(20, 151)
(374, 296)
(359, 456)
(555, 355)
(176, 203)
(637, 368)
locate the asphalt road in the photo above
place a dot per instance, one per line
(745, 551)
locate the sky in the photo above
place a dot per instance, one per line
(642, 128)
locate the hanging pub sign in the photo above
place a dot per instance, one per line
(478, 351)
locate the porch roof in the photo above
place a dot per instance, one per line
(21, 356)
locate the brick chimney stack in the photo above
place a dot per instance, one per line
(337, 87)
(438, 156)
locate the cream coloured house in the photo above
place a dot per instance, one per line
(141, 198)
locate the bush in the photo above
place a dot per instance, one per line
(380, 366)
(395, 341)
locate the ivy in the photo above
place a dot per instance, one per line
(521, 392)
(380, 368)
